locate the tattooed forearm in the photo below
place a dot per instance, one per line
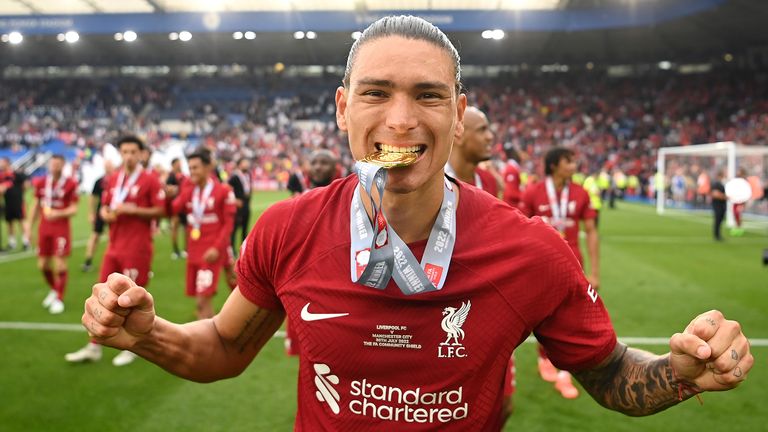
(634, 382)
(252, 334)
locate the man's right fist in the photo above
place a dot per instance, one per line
(119, 313)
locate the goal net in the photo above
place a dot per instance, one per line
(684, 176)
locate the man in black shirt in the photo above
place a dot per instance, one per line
(296, 182)
(176, 178)
(12, 186)
(719, 204)
(240, 181)
(322, 168)
(94, 216)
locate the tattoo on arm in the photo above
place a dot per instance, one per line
(252, 334)
(634, 382)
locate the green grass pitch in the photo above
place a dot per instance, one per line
(657, 274)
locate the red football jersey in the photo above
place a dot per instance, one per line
(377, 359)
(63, 195)
(535, 202)
(512, 192)
(487, 182)
(133, 234)
(217, 222)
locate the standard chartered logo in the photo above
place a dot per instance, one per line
(325, 391)
(407, 405)
(382, 402)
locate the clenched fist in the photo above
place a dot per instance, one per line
(712, 353)
(119, 313)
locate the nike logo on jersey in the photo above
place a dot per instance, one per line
(306, 315)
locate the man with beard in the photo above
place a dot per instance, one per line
(470, 150)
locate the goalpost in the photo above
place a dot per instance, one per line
(682, 169)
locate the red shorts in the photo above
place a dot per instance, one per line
(509, 378)
(136, 267)
(54, 243)
(203, 278)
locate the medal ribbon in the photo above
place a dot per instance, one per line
(48, 192)
(383, 255)
(198, 203)
(121, 191)
(559, 214)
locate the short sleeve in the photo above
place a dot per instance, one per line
(38, 184)
(526, 203)
(578, 334)
(587, 211)
(157, 192)
(106, 194)
(72, 196)
(260, 254)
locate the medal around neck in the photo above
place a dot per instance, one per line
(378, 254)
(389, 160)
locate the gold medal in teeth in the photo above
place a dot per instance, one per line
(389, 160)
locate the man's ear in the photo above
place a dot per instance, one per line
(341, 108)
(461, 107)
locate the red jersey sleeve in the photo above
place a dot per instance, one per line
(71, 196)
(578, 334)
(260, 254)
(106, 194)
(38, 184)
(226, 216)
(526, 203)
(157, 192)
(181, 200)
(511, 186)
(585, 205)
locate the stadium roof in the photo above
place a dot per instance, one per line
(574, 32)
(40, 7)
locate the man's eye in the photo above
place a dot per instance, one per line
(374, 93)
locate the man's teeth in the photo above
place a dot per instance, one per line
(395, 149)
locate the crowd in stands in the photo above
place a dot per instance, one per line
(613, 122)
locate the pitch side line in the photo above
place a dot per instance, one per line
(11, 257)
(20, 325)
(681, 240)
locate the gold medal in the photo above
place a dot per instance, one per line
(47, 211)
(389, 160)
(195, 233)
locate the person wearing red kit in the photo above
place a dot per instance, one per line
(133, 198)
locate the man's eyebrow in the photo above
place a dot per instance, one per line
(426, 85)
(376, 82)
(433, 85)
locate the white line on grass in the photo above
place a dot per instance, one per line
(679, 240)
(21, 325)
(82, 242)
(751, 223)
(32, 252)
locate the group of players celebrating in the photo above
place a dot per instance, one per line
(130, 200)
(133, 198)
